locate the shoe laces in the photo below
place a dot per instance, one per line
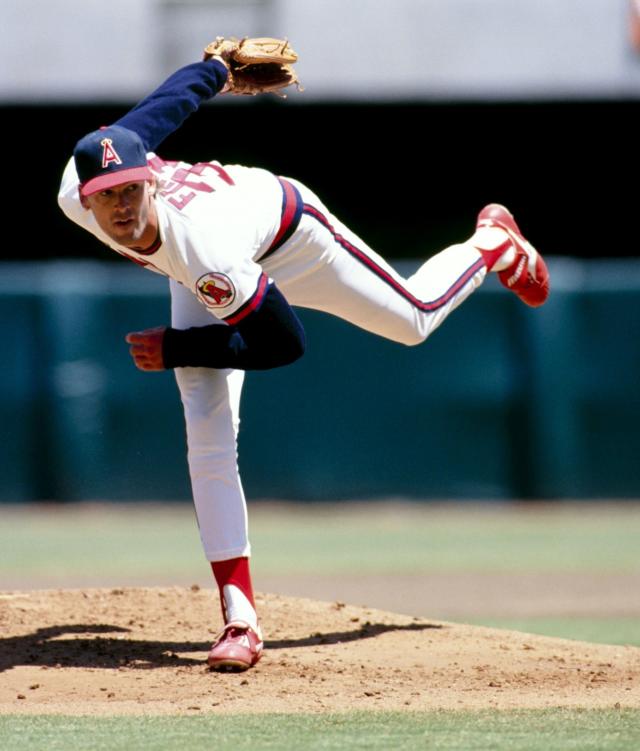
(235, 632)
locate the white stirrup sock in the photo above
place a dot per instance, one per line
(237, 606)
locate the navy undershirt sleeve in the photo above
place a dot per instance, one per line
(164, 110)
(269, 337)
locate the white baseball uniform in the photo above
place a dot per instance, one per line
(225, 232)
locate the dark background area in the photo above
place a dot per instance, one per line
(409, 178)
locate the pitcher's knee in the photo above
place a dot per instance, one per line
(413, 342)
(413, 336)
(415, 329)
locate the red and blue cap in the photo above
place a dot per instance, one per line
(110, 156)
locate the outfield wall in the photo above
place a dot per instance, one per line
(503, 401)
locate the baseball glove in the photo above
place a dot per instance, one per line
(256, 66)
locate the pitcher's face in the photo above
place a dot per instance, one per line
(125, 212)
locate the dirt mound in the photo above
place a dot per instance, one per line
(142, 651)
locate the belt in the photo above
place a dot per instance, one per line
(292, 205)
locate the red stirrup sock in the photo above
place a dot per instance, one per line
(236, 591)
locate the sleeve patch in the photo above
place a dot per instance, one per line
(215, 290)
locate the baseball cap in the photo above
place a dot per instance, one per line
(110, 156)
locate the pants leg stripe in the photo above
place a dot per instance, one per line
(384, 275)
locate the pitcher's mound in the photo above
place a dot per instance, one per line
(143, 651)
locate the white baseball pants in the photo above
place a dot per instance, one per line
(326, 267)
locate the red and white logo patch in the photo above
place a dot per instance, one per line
(215, 290)
(109, 154)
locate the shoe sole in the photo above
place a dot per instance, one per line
(230, 666)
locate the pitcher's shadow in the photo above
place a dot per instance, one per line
(46, 647)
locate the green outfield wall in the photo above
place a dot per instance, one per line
(503, 401)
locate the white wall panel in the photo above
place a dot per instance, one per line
(67, 49)
(349, 49)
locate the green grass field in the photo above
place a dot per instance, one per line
(45, 547)
(52, 543)
(549, 730)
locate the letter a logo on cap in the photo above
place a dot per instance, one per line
(109, 154)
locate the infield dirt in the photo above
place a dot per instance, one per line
(143, 650)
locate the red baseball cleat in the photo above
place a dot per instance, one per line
(528, 275)
(237, 648)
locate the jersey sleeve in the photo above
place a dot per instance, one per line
(230, 287)
(166, 108)
(272, 336)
